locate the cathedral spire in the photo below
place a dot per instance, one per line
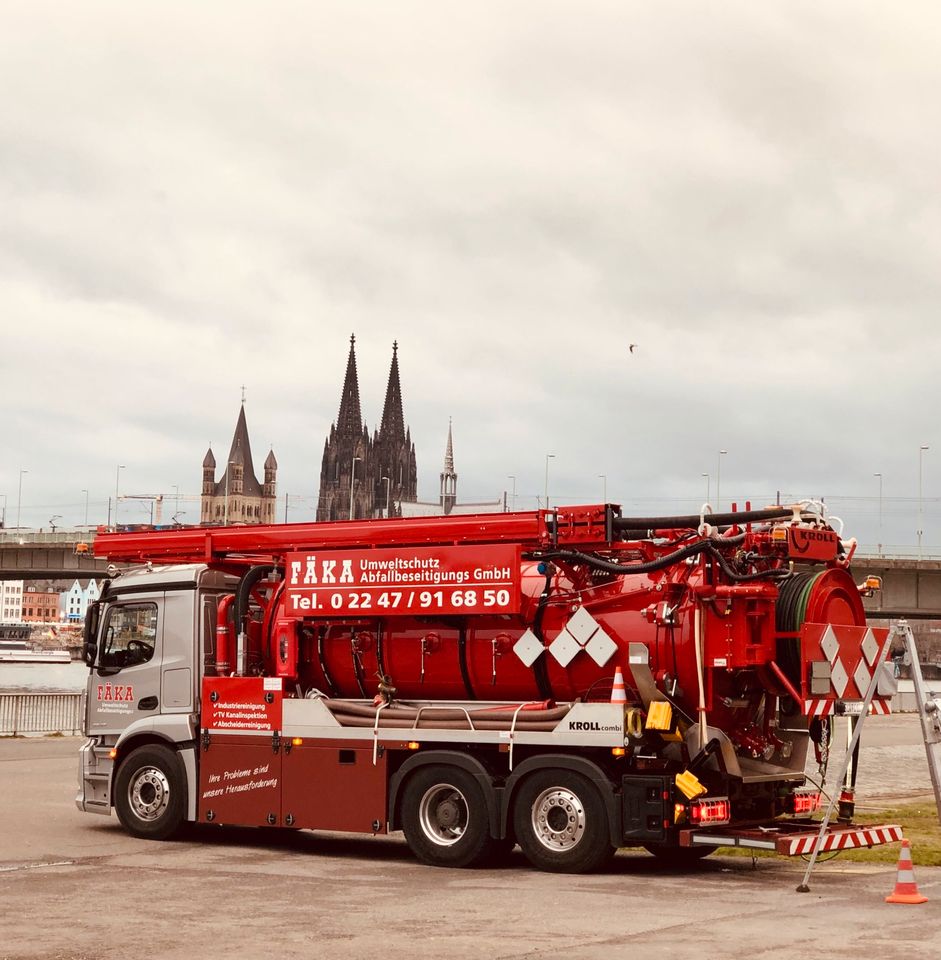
(350, 419)
(449, 452)
(392, 425)
(448, 477)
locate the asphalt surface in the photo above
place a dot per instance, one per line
(75, 886)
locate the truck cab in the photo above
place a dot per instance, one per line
(149, 640)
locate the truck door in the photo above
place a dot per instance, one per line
(124, 684)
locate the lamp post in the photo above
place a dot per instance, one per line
(176, 498)
(879, 475)
(921, 503)
(604, 487)
(117, 482)
(19, 498)
(352, 478)
(708, 478)
(3, 516)
(86, 507)
(52, 521)
(388, 481)
(513, 494)
(722, 453)
(549, 456)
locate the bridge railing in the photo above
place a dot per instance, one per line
(18, 536)
(28, 713)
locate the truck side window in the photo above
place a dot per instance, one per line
(129, 635)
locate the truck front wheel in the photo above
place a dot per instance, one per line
(150, 792)
(444, 817)
(560, 823)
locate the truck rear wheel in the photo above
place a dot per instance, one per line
(444, 816)
(150, 792)
(560, 823)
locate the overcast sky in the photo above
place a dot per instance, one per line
(200, 196)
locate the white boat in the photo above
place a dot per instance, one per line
(19, 651)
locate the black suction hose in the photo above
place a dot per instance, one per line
(626, 524)
(245, 587)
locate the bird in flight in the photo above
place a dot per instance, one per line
(633, 347)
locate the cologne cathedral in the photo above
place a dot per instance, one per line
(365, 476)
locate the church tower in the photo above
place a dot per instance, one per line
(238, 497)
(395, 476)
(448, 477)
(347, 457)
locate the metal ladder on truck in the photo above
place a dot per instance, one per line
(929, 710)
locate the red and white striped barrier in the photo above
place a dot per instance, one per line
(843, 840)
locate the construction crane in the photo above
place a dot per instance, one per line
(156, 503)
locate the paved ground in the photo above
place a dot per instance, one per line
(75, 886)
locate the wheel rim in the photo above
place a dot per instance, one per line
(558, 819)
(442, 814)
(149, 793)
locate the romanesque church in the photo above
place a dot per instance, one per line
(238, 497)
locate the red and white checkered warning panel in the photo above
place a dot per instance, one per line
(839, 664)
(850, 839)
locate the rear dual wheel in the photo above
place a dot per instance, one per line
(445, 819)
(561, 823)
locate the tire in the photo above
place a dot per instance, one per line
(150, 792)
(444, 817)
(561, 824)
(679, 857)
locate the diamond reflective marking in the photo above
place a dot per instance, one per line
(839, 677)
(528, 648)
(870, 648)
(862, 676)
(601, 648)
(829, 644)
(564, 647)
(582, 626)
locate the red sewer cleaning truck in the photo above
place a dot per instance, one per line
(569, 680)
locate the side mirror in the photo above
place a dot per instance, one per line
(90, 631)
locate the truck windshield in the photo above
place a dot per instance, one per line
(129, 635)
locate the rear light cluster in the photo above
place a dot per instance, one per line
(714, 811)
(803, 802)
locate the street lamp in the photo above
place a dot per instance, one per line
(86, 507)
(176, 498)
(513, 495)
(879, 475)
(19, 498)
(921, 504)
(117, 481)
(708, 478)
(722, 453)
(604, 487)
(352, 478)
(3, 516)
(549, 456)
(388, 492)
(52, 521)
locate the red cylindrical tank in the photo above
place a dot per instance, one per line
(586, 627)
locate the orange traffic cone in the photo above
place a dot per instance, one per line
(906, 890)
(618, 693)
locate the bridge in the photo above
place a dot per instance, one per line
(41, 555)
(911, 587)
